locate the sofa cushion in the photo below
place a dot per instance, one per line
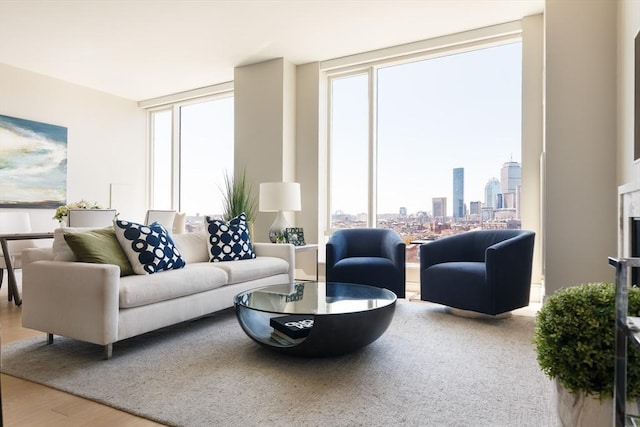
(149, 248)
(253, 269)
(139, 290)
(229, 241)
(99, 247)
(192, 246)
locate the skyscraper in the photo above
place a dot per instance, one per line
(491, 191)
(439, 207)
(475, 208)
(510, 178)
(458, 192)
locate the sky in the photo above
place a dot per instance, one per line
(461, 110)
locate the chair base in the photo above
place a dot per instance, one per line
(475, 315)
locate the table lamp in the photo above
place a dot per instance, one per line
(279, 197)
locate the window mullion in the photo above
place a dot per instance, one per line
(373, 158)
(175, 164)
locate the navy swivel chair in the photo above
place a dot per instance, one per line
(486, 271)
(368, 256)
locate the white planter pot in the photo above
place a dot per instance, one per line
(580, 410)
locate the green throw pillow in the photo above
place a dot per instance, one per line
(99, 247)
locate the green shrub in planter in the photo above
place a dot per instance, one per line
(575, 340)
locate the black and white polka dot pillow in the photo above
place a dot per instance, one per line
(229, 241)
(149, 248)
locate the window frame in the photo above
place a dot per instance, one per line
(174, 104)
(369, 63)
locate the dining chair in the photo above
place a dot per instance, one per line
(14, 222)
(164, 217)
(90, 217)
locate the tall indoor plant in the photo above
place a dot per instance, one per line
(575, 343)
(237, 198)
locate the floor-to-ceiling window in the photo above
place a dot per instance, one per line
(349, 176)
(191, 153)
(428, 146)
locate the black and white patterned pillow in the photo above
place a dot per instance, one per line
(149, 248)
(229, 241)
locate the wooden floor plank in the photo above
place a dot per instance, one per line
(29, 404)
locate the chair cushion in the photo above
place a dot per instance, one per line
(464, 272)
(374, 271)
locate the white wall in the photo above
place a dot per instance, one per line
(106, 138)
(265, 128)
(580, 206)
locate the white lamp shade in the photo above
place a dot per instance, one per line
(280, 196)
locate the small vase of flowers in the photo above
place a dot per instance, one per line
(62, 211)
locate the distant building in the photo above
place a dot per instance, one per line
(491, 191)
(403, 212)
(439, 205)
(458, 193)
(510, 176)
(509, 200)
(474, 208)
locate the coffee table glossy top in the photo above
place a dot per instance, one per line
(316, 298)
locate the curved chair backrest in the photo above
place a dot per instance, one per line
(16, 222)
(482, 239)
(180, 223)
(362, 242)
(164, 217)
(90, 217)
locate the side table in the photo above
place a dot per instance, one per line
(308, 248)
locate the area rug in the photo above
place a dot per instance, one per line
(430, 368)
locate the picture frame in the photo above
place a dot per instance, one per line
(295, 236)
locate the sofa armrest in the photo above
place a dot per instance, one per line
(73, 299)
(285, 251)
(36, 254)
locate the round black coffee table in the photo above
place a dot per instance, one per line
(315, 318)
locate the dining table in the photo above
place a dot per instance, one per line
(14, 292)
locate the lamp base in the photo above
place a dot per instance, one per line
(278, 228)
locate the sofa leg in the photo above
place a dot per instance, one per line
(49, 339)
(108, 351)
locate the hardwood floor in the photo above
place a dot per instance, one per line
(28, 404)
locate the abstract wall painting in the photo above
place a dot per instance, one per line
(33, 164)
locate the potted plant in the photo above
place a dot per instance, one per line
(575, 343)
(237, 198)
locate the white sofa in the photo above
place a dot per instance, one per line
(91, 302)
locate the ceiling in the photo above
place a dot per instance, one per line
(141, 49)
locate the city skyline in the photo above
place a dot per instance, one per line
(456, 111)
(506, 186)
